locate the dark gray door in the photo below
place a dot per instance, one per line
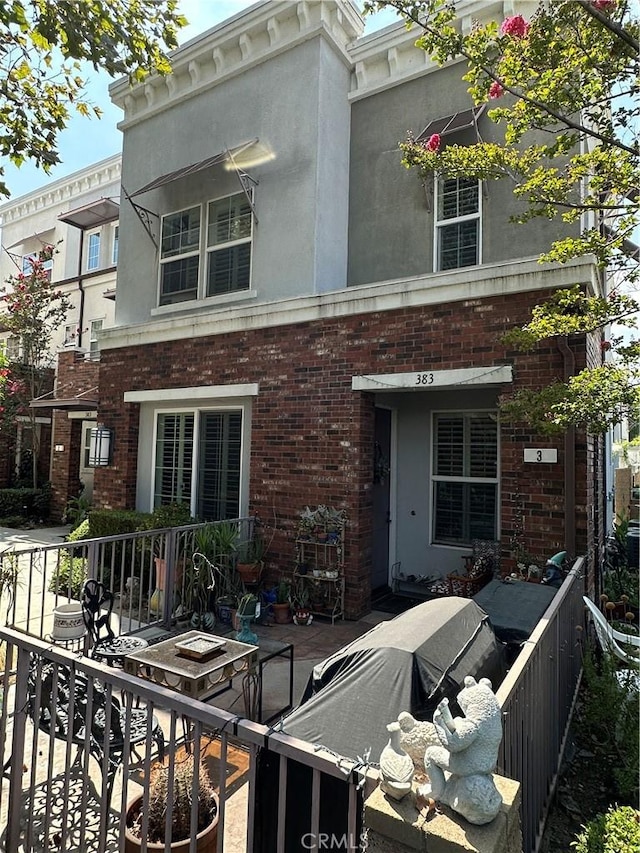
(381, 493)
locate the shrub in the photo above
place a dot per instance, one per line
(611, 719)
(28, 504)
(617, 831)
(111, 522)
(80, 532)
(69, 577)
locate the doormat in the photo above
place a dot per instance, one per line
(396, 603)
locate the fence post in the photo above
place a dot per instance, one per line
(17, 750)
(171, 542)
(93, 566)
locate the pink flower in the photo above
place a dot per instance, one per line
(433, 143)
(604, 5)
(495, 90)
(515, 26)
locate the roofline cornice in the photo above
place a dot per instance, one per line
(250, 38)
(63, 190)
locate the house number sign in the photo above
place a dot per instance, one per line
(540, 454)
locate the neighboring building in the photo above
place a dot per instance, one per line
(79, 216)
(300, 322)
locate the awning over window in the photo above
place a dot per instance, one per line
(92, 215)
(452, 123)
(222, 157)
(86, 401)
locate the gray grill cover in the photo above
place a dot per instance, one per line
(406, 664)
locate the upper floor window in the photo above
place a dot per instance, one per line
(13, 348)
(93, 251)
(27, 264)
(180, 256)
(114, 245)
(70, 332)
(225, 247)
(457, 223)
(94, 333)
(229, 245)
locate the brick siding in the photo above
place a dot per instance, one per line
(312, 436)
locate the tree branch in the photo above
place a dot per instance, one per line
(611, 25)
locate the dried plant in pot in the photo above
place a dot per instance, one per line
(207, 829)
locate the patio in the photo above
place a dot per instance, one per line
(53, 778)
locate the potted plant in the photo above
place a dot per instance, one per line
(299, 601)
(251, 559)
(281, 608)
(206, 839)
(248, 609)
(199, 587)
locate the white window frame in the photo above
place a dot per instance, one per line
(13, 349)
(203, 253)
(439, 224)
(70, 334)
(237, 406)
(94, 348)
(180, 256)
(93, 259)
(210, 250)
(47, 266)
(115, 243)
(439, 478)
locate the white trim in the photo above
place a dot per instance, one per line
(201, 392)
(440, 224)
(431, 380)
(245, 446)
(466, 284)
(442, 478)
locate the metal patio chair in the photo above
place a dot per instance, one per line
(59, 703)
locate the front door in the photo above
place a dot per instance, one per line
(381, 499)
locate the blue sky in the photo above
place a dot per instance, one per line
(86, 141)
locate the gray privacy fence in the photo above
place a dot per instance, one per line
(537, 698)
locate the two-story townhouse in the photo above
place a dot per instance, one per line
(300, 322)
(78, 215)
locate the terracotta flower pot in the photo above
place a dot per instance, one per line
(206, 840)
(281, 613)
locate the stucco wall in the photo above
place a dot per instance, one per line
(296, 105)
(390, 214)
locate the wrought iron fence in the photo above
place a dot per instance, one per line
(79, 741)
(128, 564)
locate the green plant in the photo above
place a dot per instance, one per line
(617, 831)
(182, 797)
(283, 591)
(9, 577)
(69, 577)
(253, 550)
(299, 596)
(225, 536)
(80, 532)
(76, 510)
(610, 720)
(248, 604)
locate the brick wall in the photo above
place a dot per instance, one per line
(312, 436)
(75, 375)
